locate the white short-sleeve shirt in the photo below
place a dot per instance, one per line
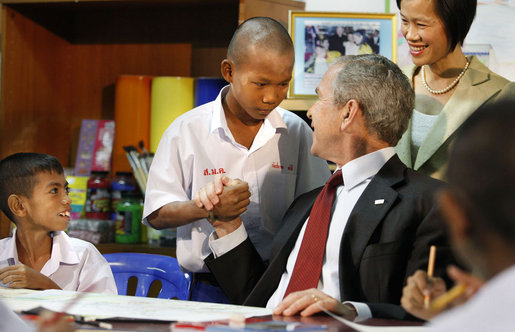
(74, 264)
(278, 167)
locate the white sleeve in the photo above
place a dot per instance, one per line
(169, 177)
(96, 275)
(220, 246)
(362, 309)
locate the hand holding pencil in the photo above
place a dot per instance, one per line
(418, 286)
(464, 281)
(424, 296)
(421, 288)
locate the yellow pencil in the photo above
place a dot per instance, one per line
(430, 271)
(443, 300)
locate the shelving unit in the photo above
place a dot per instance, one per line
(60, 59)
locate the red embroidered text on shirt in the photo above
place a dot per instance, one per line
(214, 171)
(277, 165)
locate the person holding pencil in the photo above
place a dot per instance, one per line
(478, 208)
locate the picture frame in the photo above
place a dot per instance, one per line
(319, 37)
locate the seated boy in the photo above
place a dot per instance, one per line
(34, 195)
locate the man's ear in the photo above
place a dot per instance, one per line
(227, 69)
(454, 215)
(350, 111)
(16, 205)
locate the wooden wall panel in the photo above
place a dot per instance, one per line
(31, 105)
(96, 68)
(277, 9)
(50, 84)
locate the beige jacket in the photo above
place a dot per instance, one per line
(478, 86)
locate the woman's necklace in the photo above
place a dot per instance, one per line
(447, 89)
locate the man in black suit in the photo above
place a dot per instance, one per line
(337, 39)
(383, 219)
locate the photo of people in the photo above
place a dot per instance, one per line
(319, 38)
(325, 41)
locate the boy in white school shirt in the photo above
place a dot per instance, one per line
(242, 134)
(34, 195)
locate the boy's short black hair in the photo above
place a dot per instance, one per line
(265, 32)
(457, 17)
(18, 175)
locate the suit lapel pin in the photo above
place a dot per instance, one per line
(379, 201)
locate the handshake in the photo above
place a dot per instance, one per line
(225, 199)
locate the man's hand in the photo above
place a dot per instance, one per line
(222, 228)
(227, 198)
(22, 276)
(310, 302)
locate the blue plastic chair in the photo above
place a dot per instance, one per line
(148, 269)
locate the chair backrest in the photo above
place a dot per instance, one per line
(148, 268)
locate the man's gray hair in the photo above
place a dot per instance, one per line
(381, 89)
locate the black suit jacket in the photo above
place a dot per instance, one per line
(382, 244)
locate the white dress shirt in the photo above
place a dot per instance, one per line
(278, 167)
(74, 264)
(357, 174)
(492, 308)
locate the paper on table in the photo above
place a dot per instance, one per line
(132, 307)
(368, 328)
(6, 292)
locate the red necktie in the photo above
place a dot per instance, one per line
(308, 266)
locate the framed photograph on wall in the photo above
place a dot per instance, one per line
(320, 37)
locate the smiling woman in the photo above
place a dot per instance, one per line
(449, 87)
